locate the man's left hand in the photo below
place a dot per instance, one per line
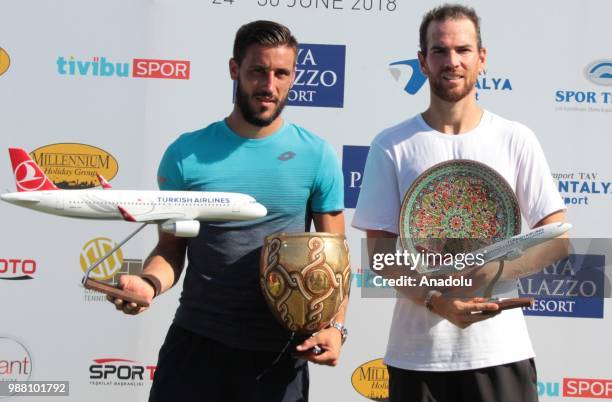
(329, 340)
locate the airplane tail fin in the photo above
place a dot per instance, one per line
(28, 175)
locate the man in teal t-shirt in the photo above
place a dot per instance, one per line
(224, 343)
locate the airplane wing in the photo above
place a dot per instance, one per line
(150, 217)
(32, 200)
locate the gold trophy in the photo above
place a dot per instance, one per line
(305, 278)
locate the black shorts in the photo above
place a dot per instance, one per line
(195, 368)
(513, 382)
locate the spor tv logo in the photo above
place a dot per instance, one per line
(139, 68)
(599, 72)
(120, 372)
(581, 99)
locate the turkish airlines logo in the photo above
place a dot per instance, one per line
(26, 177)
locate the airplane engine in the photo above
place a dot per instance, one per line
(181, 228)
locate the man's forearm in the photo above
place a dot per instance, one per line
(166, 261)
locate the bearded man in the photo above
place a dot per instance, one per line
(224, 343)
(443, 348)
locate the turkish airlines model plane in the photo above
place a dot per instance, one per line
(176, 212)
(508, 249)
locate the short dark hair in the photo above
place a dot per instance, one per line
(448, 12)
(264, 33)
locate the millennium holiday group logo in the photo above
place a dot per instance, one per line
(5, 61)
(74, 165)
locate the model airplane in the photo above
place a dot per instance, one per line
(506, 250)
(176, 212)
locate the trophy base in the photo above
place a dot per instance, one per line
(113, 291)
(507, 304)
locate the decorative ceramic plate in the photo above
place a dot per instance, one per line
(455, 207)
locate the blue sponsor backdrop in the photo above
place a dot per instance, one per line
(573, 287)
(319, 79)
(353, 163)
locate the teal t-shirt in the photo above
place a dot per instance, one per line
(292, 173)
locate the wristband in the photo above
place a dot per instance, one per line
(154, 282)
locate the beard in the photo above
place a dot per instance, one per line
(441, 91)
(253, 116)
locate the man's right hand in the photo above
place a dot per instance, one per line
(136, 285)
(463, 312)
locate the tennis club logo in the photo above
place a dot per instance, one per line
(93, 251)
(110, 269)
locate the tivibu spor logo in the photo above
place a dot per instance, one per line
(138, 68)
